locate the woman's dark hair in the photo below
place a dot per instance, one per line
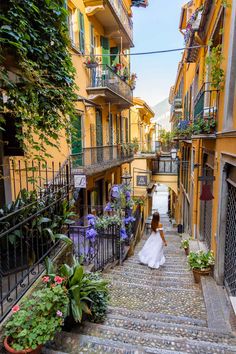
(155, 221)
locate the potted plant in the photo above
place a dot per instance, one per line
(91, 62)
(132, 81)
(125, 74)
(80, 285)
(36, 320)
(185, 246)
(201, 263)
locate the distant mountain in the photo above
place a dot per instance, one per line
(162, 114)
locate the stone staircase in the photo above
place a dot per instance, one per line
(151, 311)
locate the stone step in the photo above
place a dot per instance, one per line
(174, 301)
(77, 343)
(151, 272)
(156, 317)
(167, 265)
(171, 283)
(156, 341)
(163, 328)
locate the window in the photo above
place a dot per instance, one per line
(71, 25)
(81, 32)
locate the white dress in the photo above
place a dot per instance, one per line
(152, 252)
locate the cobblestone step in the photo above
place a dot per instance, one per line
(170, 266)
(156, 316)
(152, 275)
(156, 341)
(170, 301)
(171, 283)
(151, 272)
(80, 344)
(163, 328)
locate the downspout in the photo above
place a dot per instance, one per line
(197, 190)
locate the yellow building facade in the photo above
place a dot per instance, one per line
(203, 117)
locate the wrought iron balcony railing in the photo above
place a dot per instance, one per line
(165, 166)
(206, 105)
(123, 16)
(100, 157)
(103, 77)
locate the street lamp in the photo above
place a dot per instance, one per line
(126, 179)
(173, 154)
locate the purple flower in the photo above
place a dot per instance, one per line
(91, 235)
(129, 219)
(115, 191)
(108, 207)
(123, 234)
(128, 195)
(59, 313)
(90, 217)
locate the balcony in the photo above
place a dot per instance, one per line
(97, 159)
(114, 18)
(164, 166)
(104, 82)
(206, 110)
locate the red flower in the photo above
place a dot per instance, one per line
(58, 279)
(15, 308)
(46, 279)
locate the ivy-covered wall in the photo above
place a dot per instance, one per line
(36, 72)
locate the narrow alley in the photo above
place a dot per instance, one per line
(154, 311)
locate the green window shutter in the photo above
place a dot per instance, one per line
(105, 50)
(92, 40)
(77, 144)
(81, 32)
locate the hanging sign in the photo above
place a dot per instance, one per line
(206, 178)
(142, 181)
(80, 181)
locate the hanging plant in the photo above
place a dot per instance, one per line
(40, 92)
(214, 61)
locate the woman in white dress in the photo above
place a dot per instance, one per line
(152, 253)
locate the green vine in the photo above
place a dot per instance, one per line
(39, 94)
(214, 61)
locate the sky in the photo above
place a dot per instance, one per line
(156, 28)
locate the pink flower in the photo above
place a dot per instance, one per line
(15, 308)
(59, 313)
(53, 285)
(46, 279)
(58, 279)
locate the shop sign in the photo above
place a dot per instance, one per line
(80, 181)
(142, 181)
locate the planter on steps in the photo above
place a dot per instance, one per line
(186, 250)
(197, 273)
(9, 349)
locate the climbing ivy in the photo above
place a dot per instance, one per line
(214, 61)
(40, 95)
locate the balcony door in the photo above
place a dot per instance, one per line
(77, 144)
(105, 50)
(99, 135)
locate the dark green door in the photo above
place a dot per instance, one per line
(77, 145)
(114, 56)
(99, 135)
(105, 50)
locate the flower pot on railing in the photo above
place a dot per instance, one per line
(91, 65)
(9, 349)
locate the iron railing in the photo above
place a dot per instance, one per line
(123, 16)
(104, 77)
(165, 166)
(106, 248)
(206, 103)
(28, 226)
(101, 156)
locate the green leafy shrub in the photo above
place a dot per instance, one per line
(184, 244)
(38, 318)
(201, 259)
(99, 302)
(80, 286)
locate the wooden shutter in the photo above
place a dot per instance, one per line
(81, 32)
(92, 40)
(105, 50)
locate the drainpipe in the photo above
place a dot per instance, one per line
(197, 189)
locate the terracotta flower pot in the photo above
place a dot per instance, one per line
(197, 273)
(91, 65)
(186, 250)
(9, 349)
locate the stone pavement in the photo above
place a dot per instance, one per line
(154, 311)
